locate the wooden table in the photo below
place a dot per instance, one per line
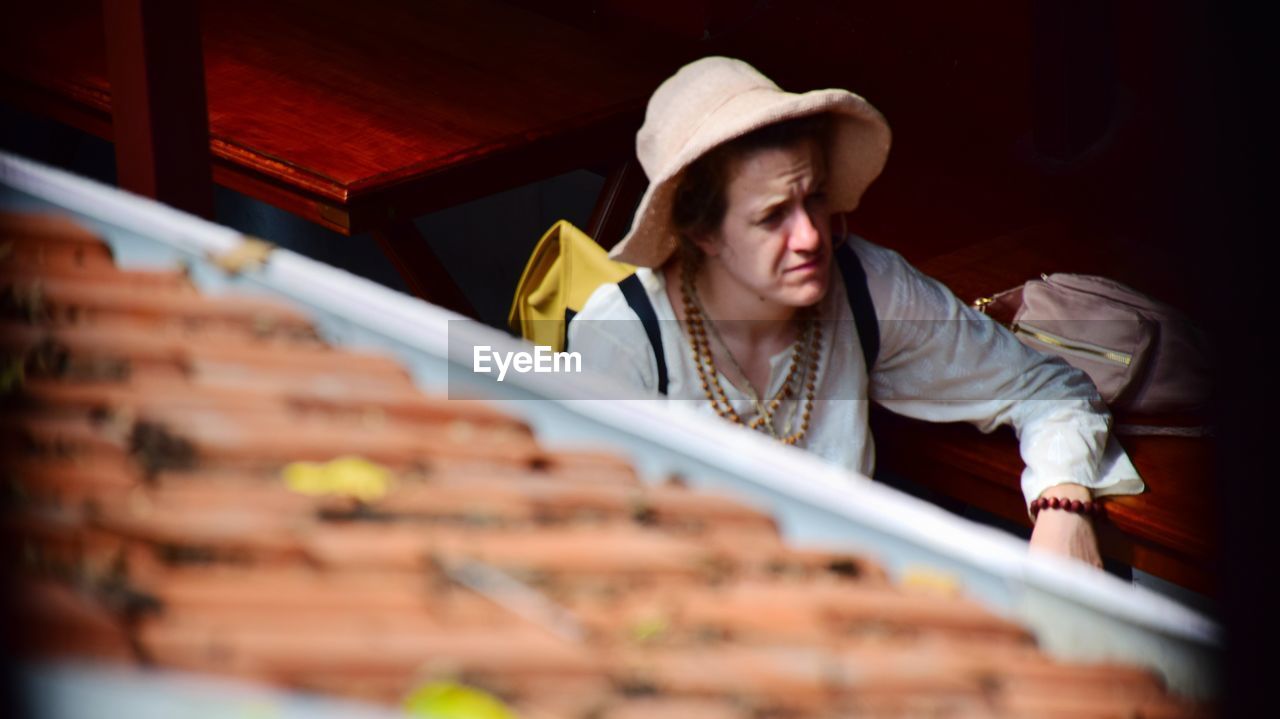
(1170, 530)
(360, 117)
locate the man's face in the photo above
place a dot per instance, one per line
(775, 239)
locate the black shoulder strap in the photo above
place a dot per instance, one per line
(638, 300)
(864, 312)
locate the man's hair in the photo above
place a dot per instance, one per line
(702, 196)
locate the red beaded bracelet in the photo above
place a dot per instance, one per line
(1088, 508)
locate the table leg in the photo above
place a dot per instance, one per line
(418, 265)
(160, 124)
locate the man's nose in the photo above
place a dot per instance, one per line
(805, 236)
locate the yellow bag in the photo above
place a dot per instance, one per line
(565, 268)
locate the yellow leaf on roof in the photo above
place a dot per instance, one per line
(447, 700)
(351, 476)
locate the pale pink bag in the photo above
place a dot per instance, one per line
(1144, 356)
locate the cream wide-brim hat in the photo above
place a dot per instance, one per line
(716, 99)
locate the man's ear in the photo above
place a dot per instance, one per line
(708, 242)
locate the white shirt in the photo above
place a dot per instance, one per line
(939, 360)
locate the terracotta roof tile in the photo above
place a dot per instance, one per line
(215, 438)
(53, 620)
(62, 302)
(137, 345)
(249, 594)
(167, 392)
(398, 650)
(56, 437)
(62, 535)
(46, 241)
(518, 498)
(67, 481)
(16, 272)
(149, 518)
(806, 678)
(672, 708)
(823, 608)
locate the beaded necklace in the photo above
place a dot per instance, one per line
(803, 371)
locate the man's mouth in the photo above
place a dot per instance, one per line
(810, 265)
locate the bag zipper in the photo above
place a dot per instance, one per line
(1075, 346)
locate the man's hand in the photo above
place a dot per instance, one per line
(1066, 533)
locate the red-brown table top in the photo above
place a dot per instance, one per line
(356, 103)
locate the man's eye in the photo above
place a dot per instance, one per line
(772, 218)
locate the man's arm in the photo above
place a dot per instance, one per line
(942, 361)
